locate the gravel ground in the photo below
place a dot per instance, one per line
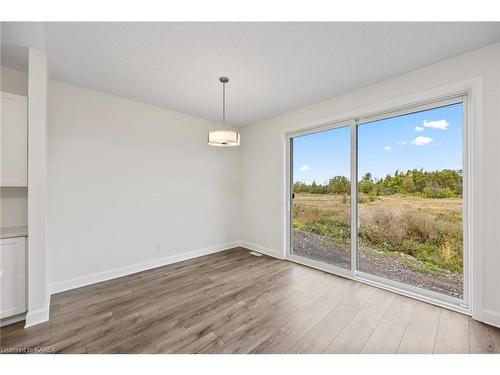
(311, 245)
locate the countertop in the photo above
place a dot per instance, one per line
(18, 231)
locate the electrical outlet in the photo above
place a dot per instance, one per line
(157, 245)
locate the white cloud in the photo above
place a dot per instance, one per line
(420, 141)
(402, 143)
(419, 129)
(387, 148)
(305, 168)
(436, 124)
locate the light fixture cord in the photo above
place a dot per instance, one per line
(224, 103)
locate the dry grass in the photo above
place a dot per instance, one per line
(429, 230)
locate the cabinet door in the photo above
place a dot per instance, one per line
(12, 276)
(14, 140)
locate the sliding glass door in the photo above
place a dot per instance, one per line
(321, 190)
(406, 207)
(410, 199)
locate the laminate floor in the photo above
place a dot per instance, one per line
(233, 302)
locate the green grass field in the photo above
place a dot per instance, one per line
(428, 230)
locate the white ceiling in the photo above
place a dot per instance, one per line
(273, 67)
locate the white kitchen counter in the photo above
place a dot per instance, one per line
(18, 231)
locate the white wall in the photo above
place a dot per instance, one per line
(13, 200)
(38, 298)
(262, 165)
(14, 81)
(123, 175)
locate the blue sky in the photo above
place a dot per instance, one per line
(430, 139)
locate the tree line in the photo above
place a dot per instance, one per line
(446, 183)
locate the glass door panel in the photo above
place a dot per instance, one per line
(410, 199)
(321, 196)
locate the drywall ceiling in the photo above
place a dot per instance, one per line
(273, 67)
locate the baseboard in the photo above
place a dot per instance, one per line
(38, 316)
(139, 267)
(262, 249)
(491, 317)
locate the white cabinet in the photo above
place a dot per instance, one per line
(14, 140)
(12, 276)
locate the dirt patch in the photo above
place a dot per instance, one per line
(314, 246)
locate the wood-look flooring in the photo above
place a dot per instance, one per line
(233, 302)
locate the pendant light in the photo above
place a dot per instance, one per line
(226, 137)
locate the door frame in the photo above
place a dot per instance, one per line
(472, 303)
